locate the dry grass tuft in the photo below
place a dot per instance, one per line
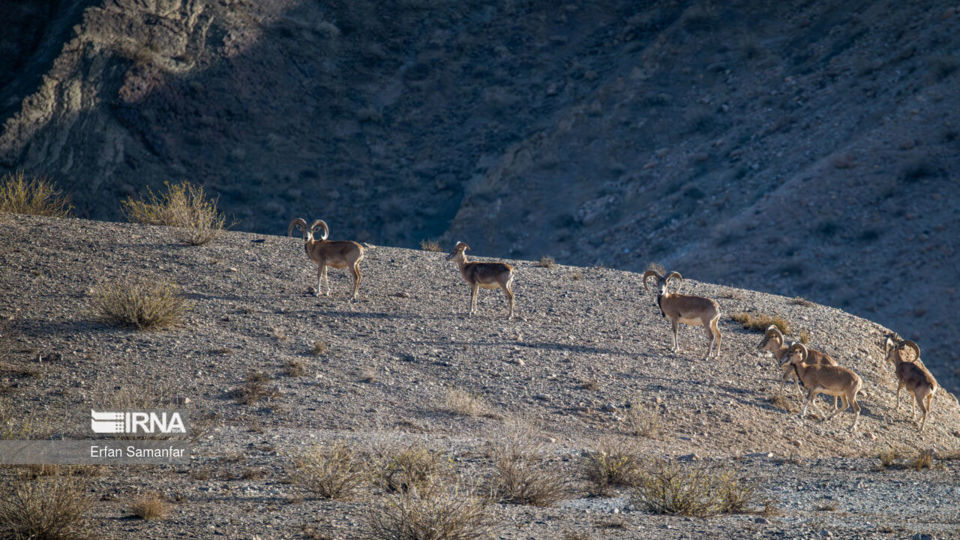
(430, 245)
(522, 474)
(144, 306)
(255, 388)
(319, 348)
(331, 472)
(612, 463)
(295, 367)
(184, 206)
(546, 262)
(781, 402)
(54, 506)
(463, 403)
(151, 506)
(888, 457)
(760, 322)
(800, 301)
(924, 460)
(697, 490)
(411, 468)
(642, 420)
(437, 514)
(36, 196)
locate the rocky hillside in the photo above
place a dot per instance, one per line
(791, 147)
(587, 354)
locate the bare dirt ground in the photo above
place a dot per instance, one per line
(588, 342)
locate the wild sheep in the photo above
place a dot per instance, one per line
(775, 343)
(824, 379)
(681, 308)
(488, 275)
(912, 374)
(339, 254)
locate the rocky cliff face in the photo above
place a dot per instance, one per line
(805, 149)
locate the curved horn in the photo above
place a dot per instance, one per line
(799, 347)
(912, 345)
(649, 273)
(323, 224)
(295, 223)
(774, 331)
(677, 276)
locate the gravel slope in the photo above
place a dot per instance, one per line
(588, 341)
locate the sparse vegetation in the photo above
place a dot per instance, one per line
(801, 301)
(319, 348)
(612, 463)
(151, 506)
(760, 322)
(37, 196)
(546, 262)
(184, 206)
(698, 490)
(256, 388)
(54, 506)
(924, 460)
(780, 402)
(642, 420)
(462, 403)
(330, 472)
(437, 514)
(411, 468)
(295, 367)
(523, 477)
(144, 306)
(430, 245)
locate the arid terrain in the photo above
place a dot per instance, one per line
(587, 353)
(795, 148)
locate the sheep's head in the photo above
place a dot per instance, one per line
(301, 224)
(662, 282)
(458, 251)
(772, 339)
(798, 353)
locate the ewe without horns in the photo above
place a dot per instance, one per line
(339, 254)
(912, 374)
(488, 275)
(681, 308)
(823, 379)
(778, 345)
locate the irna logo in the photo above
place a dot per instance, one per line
(128, 422)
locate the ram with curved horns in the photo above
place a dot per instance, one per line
(912, 374)
(680, 308)
(777, 344)
(336, 254)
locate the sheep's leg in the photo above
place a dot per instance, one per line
(473, 298)
(356, 279)
(326, 279)
(676, 327)
(715, 332)
(509, 295)
(319, 277)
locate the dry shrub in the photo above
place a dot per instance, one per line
(800, 301)
(780, 402)
(150, 506)
(462, 403)
(430, 245)
(697, 490)
(612, 463)
(331, 472)
(438, 513)
(522, 474)
(760, 322)
(319, 348)
(295, 367)
(144, 306)
(412, 467)
(642, 420)
(51, 507)
(36, 196)
(184, 206)
(255, 388)
(546, 262)
(924, 460)
(888, 457)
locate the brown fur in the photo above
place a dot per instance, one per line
(692, 310)
(489, 275)
(336, 254)
(775, 343)
(912, 375)
(830, 380)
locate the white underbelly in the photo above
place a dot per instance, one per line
(692, 322)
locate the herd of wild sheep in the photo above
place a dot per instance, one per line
(815, 370)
